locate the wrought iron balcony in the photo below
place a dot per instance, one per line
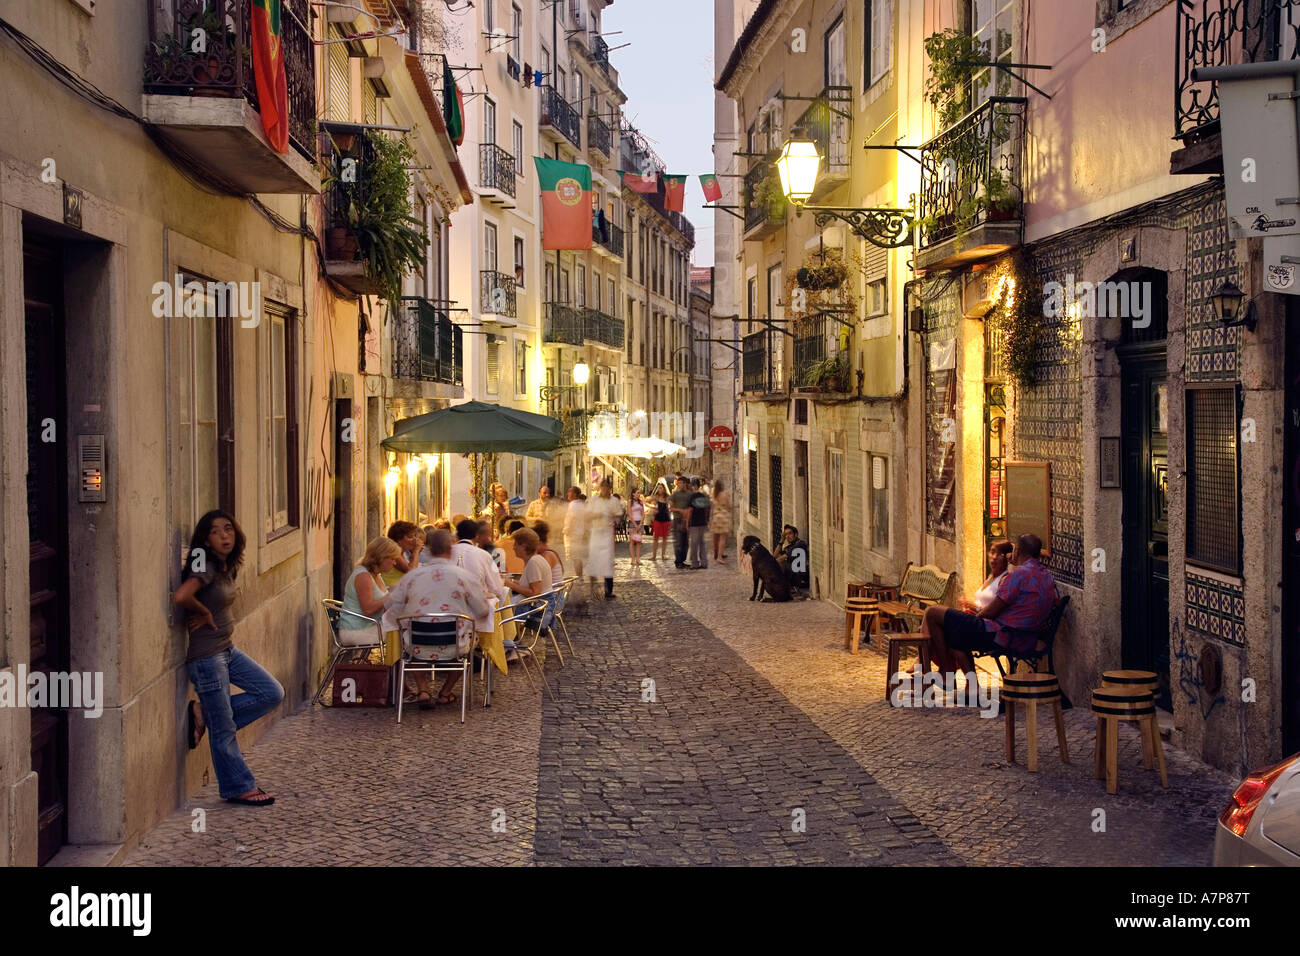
(765, 205)
(600, 52)
(342, 255)
(971, 179)
(809, 347)
(427, 345)
(598, 136)
(761, 371)
(611, 237)
(560, 116)
(603, 329)
(574, 431)
(496, 293)
(206, 102)
(496, 169)
(562, 324)
(829, 125)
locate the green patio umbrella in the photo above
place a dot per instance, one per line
(476, 428)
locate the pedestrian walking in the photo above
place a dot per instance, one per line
(720, 520)
(575, 538)
(660, 524)
(680, 505)
(635, 524)
(602, 514)
(207, 592)
(698, 522)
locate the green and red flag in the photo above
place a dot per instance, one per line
(712, 190)
(674, 193)
(453, 105)
(638, 183)
(566, 203)
(269, 74)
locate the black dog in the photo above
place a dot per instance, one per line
(767, 572)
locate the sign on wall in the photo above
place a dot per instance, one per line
(1029, 501)
(1258, 121)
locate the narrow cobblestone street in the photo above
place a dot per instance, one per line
(764, 743)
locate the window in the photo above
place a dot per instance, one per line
(564, 286)
(613, 296)
(627, 252)
(993, 27)
(752, 446)
(279, 421)
(521, 367)
(517, 145)
(1213, 472)
(878, 476)
(548, 281)
(546, 63)
(596, 291)
(631, 325)
(203, 399)
(369, 103)
(489, 247)
(578, 95)
(581, 291)
(489, 121)
(340, 79)
(751, 302)
(489, 21)
(494, 368)
(516, 31)
(879, 40)
(519, 261)
(877, 301)
(836, 71)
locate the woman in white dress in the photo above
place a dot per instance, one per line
(602, 513)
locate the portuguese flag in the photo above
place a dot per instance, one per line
(269, 75)
(712, 191)
(566, 203)
(674, 193)
(453, 106)
(638, 183)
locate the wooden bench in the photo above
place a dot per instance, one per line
(920, 587)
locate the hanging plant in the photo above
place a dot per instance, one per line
(948, 86)
(1018, 310)
(390, 241)
(827, 280)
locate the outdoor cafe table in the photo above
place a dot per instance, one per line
(491, 644)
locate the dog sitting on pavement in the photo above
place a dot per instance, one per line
(768, 575)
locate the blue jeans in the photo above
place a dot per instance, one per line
(225, 713)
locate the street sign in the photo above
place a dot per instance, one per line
(1261, 178)
(721, 438)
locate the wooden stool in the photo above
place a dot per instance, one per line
(1111, 705)
(896, 644)
(859, 589)
(1030, 690)
(856, 611)
(1141, 680)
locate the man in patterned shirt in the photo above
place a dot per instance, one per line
(439, 587)
(1024, 601)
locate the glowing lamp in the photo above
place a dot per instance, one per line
(797, 166)
(581, 373)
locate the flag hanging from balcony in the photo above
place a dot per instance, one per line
(639, 183)
(566, 204)
(269, 73)
(453, 107)
(674, 193)
(712, 191)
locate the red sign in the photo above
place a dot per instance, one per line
(721, 438)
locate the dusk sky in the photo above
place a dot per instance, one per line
(667, 74)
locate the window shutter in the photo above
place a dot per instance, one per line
(875, 262)
(369, 103)
(494, 368)
(340, 73)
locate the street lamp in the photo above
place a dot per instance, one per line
(581, 373)
(1227, 300)
(798, 166)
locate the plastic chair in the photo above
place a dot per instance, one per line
(423, 635)
(338, 615)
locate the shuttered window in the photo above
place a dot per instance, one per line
(340, 73)
(1213, 478)
(369, 103)
(494, 368)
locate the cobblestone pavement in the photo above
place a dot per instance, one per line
(758, 711)
(948, 766)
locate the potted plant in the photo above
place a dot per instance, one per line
(831, 373)
(948, 85)
(767, 193)
(1002, 203)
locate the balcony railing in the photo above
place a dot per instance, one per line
(496, 168)
(225, 67)
(562, 324)
(763, 205)
(603, 328)
(1221, 33)
(427, 345)
(829, 125)
(598, 135)
(512, 67)
(600, 52)
(809, 347)
(611, 237)
(760, 369)
(971, 172)
(496, 293)
(556, 112)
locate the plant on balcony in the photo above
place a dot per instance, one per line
(768, 194)
(390, 241)
(1018, 309)
(948, 86)
(831, 373)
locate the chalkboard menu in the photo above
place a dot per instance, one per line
(1029, 501)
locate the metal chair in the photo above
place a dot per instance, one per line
(340, 618)
(423, 636)
(527, 611)
(565, 585)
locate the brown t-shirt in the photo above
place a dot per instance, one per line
(217, 593)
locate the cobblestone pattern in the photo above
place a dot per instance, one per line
(355, 788)
(949, 766)
(718, 768)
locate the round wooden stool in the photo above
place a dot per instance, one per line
(1113, 705)
(896, 643)
(1030, 690)
(1141, 680)
(857, 611)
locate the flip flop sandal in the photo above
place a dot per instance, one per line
(425, 703)
(196, 735)
(253, 803)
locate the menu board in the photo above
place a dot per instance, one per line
(1028, 493)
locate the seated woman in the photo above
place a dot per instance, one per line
(543, 532)
(536, 577)
(999, 556)
(514, 564)
(409, 539)
(365, 593)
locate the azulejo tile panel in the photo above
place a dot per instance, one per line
(1216, 608)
